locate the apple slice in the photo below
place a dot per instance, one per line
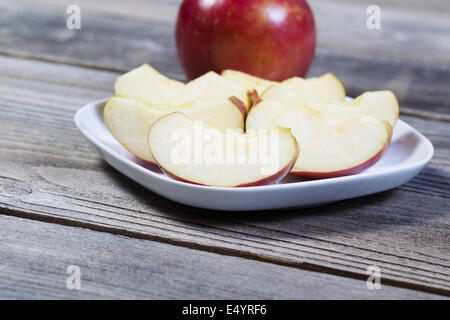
(325, 89)
(147, 83)
(328, 149)
(189, 151)
(379, 104)
(307, 92)
(211, 85)
(129, 119)
(255, 86)
(247, 81)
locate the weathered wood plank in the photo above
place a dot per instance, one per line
(416, 6)
(340, 25)
(361, 58)
(406, 32)
(157, 11)
(35, 256)
(102, 42)
(419, 87)
(50, 172)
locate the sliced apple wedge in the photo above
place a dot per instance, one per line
(211, 85)
(129, 119)
(379, 104)
(307, 92)
(189, 151)
(325, 89)
(255, 86)
(247, 81)
(327, 149)
(146, 83)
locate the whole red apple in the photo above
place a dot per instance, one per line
(271, 39)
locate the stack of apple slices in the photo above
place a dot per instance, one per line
(143, 95)
(235, 129)
(329, 148)
(336, 138)
(129, 119)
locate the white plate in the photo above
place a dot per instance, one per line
(410, 151)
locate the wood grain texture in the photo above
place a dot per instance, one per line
(49, 172)
(409, 55)
(34, 257)
(409, 29)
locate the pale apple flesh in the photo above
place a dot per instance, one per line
(212, 86)
(247, 81)
(325, 89)
(129, 119)
(148, 84)
(343, 172)
(307, 92)
(379, 104)
(188, 151)
(327, 149)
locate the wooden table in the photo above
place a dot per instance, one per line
(62, 205)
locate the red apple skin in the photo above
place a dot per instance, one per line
(276, 177)
(150, 165)
(253, 98)
(271, 39)
(240, 105)
(178, 178)
(346, 172)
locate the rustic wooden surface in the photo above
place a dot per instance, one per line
(152, 270)
(49, 172)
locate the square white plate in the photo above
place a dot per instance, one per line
(409, 152)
